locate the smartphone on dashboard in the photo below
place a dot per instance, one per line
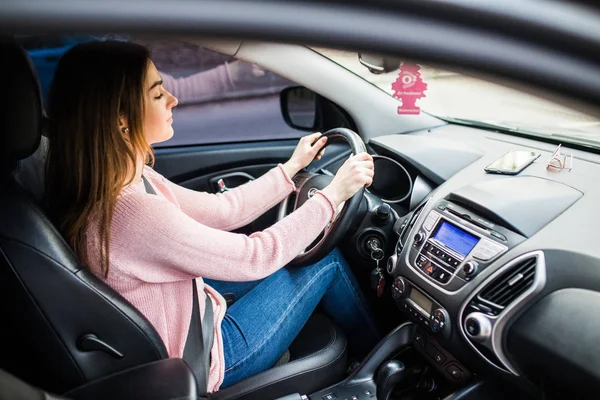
(512, 162)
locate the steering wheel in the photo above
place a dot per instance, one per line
(307, 184)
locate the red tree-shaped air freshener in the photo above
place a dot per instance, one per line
(409, 87)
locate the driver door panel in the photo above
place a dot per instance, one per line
(199, 167)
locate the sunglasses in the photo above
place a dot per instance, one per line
(559, 161)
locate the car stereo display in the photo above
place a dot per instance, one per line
(455, 238)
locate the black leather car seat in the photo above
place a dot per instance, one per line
(61, 327)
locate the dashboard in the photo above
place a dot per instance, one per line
(500, 273)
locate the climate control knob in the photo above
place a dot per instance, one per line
(478, 327)
(419, 238)
(399, 288)
(439, 319)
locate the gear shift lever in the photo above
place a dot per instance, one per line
(391, 374)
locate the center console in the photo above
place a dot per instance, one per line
(442, 246)
(422, 308)
(454, 244)
(447, 249)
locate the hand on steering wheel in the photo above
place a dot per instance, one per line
(309, 148)
(356, 173)
(346, 187)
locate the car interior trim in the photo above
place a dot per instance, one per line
(499, 323)
(410, 181)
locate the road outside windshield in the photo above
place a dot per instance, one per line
(457, 96)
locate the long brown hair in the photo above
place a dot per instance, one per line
(90, 157)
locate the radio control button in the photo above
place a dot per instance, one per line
(428, 225)
(481, 256)
(486, 249)
(430, 221)
(419, 238)
(470, 268)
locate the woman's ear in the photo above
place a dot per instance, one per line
(123, 123)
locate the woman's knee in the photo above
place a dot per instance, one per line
(335, 258)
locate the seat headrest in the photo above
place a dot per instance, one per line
(21, 115)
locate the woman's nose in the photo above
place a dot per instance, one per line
(173, 101)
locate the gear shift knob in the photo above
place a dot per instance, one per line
(390, 374)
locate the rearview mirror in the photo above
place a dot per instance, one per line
(378, 64)
(299, 107)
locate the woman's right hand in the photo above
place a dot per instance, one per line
(356, 173)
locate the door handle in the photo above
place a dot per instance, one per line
(225, 182)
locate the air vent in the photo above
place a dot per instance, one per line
(510, 285)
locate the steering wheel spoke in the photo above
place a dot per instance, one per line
(307, 184)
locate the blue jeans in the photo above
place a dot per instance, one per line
(268, 314)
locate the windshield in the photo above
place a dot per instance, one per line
(465, 99)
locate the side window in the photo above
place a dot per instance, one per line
(221, 99)
(45, 51)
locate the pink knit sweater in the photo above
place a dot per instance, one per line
(158, 244)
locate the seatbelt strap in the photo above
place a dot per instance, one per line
(198, 344)
(148, 186)
(199, 341)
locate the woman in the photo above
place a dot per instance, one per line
(107, 106)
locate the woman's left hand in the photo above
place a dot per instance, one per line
(307, 150)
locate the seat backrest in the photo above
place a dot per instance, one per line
(60, 326)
